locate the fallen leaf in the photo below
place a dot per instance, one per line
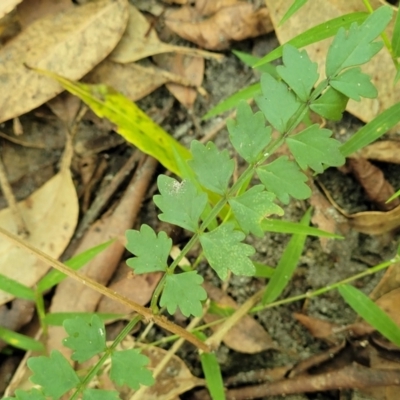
(141, 41)
(371, 178)
(65, 106)
(133, 80)
(31, 10)
(383, 150)
(191, 68)
(89, 33)
(381, 67)
(174, 380)
(209, 7)
(50, 214)
(236, 22)
(7, 6)
(319, 328)
(248, 336)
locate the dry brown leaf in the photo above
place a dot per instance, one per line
(141, 41)
(7, 6)
(191, 68)
(51, 214)
(133, 80)
(174, 380)
(89, 33)
(315, 12)
(237, 22)
(318, 328)
(371, 178)
(31, 10)
(248, 336)
(209, 7)
(384, 150)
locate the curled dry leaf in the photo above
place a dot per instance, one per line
(89, 33)
(50, 214)
(248, 336)
(7, 6)
(381, 68)
(371, 178)
(236, 22)
(209, 7)
(141, 41)
(384, 150)
(191, 68)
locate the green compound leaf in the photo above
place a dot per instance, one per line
(248, 133)
(213, 168)
(330, 105)
(54, 374)
(314, 147)
(184, 291)
(252, 207)
(151, 251)
(371, 312)
(180, 202)
(277, 102)
(128, 367)
(354, 84)
(355, 47)
(33, 394)
(297, 63)
(99, 394)
(86, 339)
(284, 178)
(224, 251)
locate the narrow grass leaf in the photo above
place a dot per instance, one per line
(213, 376)
(371, 313)
(263, 271)
(251, 60)
(54, 277)
(396, 36)
(394, 196)
(132, 123)
(151, 250)
(58, 319)
(296, 5)
(373, 130)
(232, 101)
(20, 341)
(184, 290)
(287, 264)
(16, 289)
(280, 226)
(316, 34)
(54, 374)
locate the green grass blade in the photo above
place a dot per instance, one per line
(20, 341)
(212, 373)
(16, 289)
(57, 319)
(132, 123)
(373, 130)
(278, 226)
(297, 4)
(54, 277)
(287, 264)
(397, 194)
(232, 101)
(262, 270)
(316, 34)
(371, 313)
(251, 61)
(396, 36)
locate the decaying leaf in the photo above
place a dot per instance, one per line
(318, 328)
(371, 178)
(315, 12)
(191, 68)
(70, 43)
(7, 6)
(133, 80)
(141, 41)
(383, 150)
(50, 214)
(248, 336)
(238, 21)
